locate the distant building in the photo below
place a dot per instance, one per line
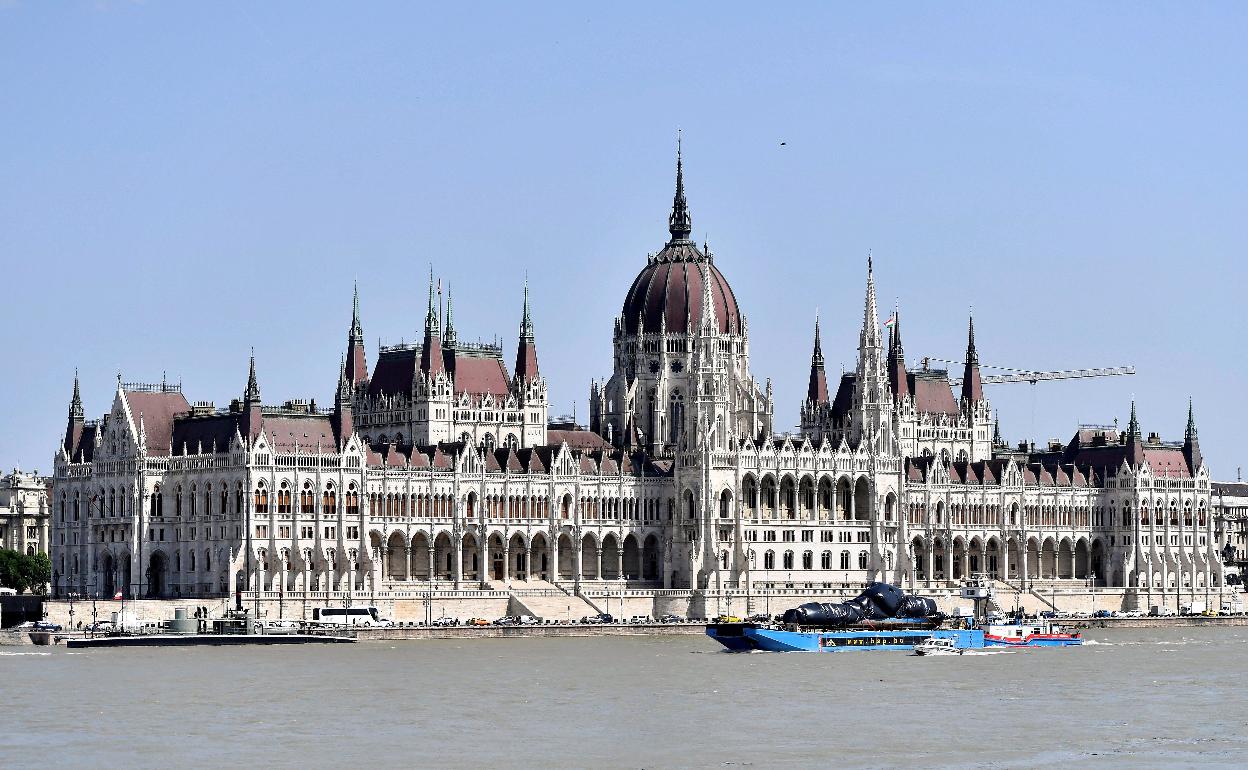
(24, 512)
(1230, 506)
(441, 470)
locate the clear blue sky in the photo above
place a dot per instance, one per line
(179, 183)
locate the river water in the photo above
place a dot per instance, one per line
(1131, 698)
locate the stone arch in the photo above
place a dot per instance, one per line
(495, 559)
(567, 557)
(590, 552)
(769, 496)
(749, 493)
(396, 556)
(919, 549)
(1097, 564)
(470, 557)
(650, 558)
(610, 557)
(844, 498)
(862, 499)
(959, 566)
(539, 556)
(1064, 564)
(890, 507)
(518, 557)
(825, 498)
(725, 504)
(419, 566)
(157, 574)
(974, 556)
(444, 556)
(992, 558)
(806, 502)
(630, 558)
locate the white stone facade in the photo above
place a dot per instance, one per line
(24, 512)
(438, 472)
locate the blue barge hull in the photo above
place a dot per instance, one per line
(744, 637)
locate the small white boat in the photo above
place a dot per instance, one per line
(936, 646)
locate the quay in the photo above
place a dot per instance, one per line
(201, 640)
(521, 632)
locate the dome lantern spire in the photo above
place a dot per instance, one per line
(679, 224)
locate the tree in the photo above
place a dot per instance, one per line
(21, 572)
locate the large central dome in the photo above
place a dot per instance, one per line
(668, 291)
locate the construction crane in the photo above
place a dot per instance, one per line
(1024, 375)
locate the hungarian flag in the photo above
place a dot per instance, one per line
(117, 596)
(892, 319)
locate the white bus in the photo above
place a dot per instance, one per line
(348, 616)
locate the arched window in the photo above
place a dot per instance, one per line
(194, 496)
(487, 443)
(844, 559)
(465, 438)
(511, 442)
(261, 499)
(675, 416)
(769, 560)
(808, 560)
(725, 504)
(177, 501)
(825, 560)
(788, 560)
(862, 560)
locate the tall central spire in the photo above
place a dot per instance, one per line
(679, 223)
(870, 316)
(357, 330)
(817, 385)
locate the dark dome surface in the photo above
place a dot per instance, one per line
(671, 287)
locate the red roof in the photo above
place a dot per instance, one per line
(932, 393)
(671, 287)
(157, 410)
(477, 374)
(577, 439)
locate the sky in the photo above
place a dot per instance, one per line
(180, 183)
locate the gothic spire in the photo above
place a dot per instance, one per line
(75, 404)
(817, 386)
(449, 338)
(356, 363)
(431, 315)
(679, 223)
(357, 331)
(972, 386)
(252, 394)
(526, 347)
(897, 378)
(1191, 442)
(870, 316)
(1135, 447)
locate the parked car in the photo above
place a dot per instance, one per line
(605, 618)
(43, 625)
(728, 619)
(445, 621)
(1102, 614)
(477, 622)
(641, 619)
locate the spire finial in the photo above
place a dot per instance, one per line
(1191, 421)
(1133, 427)
(972, 356)
(253, 386)
(431, 315)
(679, 224)
(526, 320)
(869, 263)
(357, 331)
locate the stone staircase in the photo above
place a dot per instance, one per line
(548, 601)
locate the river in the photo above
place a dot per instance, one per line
(1130, 698)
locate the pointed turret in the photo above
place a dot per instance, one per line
(449, 338)
(898, 382)
(431, 361)
(817, 387)
(343, 420)
(1191, 442)
(357, 365)
(1135, 446)
(972, 387)
(252, 417)
(526, 348)
(679, 224)
(870, 335)
(73, 430)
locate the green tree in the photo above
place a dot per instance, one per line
(21, 572)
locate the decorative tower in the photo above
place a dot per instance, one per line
(73, 431)
(527, 386)
(871, 418)
(356, 364)
(1135, 446)
(450, 340)
(1191, 443)
(343, 422)
(252, 415)
(816, 411)
(433, 389)
(975, 408)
